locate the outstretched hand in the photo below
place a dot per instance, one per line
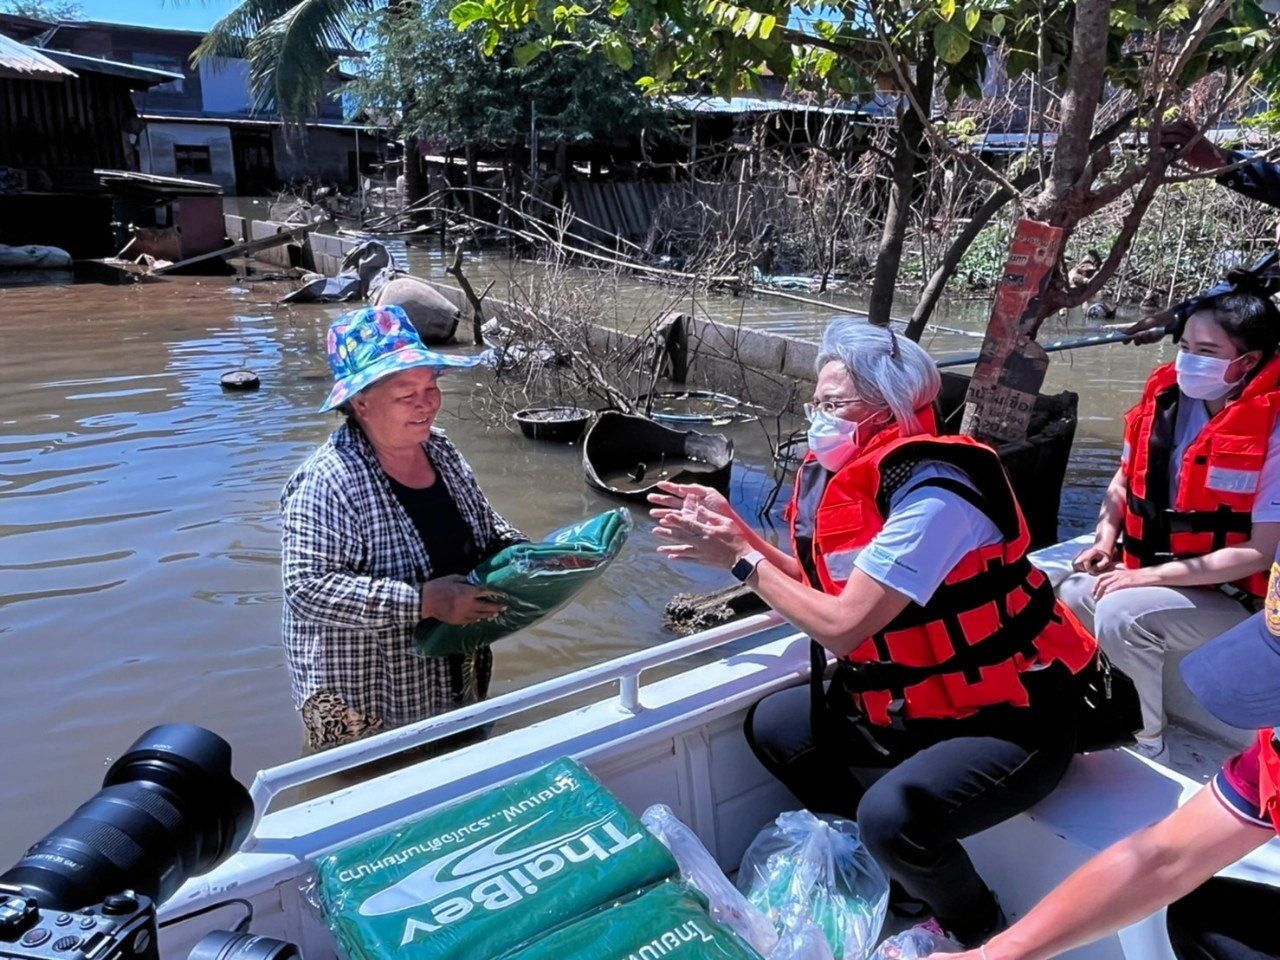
(672, 496)
(701, 535)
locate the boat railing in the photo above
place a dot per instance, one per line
(625, 671)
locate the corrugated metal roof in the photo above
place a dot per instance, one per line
(25, 63)
(253, 121)
(744, 105)
(138, 76)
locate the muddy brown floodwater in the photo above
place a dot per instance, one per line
(139, 543)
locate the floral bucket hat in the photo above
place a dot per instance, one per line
(369, 344)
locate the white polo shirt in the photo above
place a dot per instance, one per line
(927, 531)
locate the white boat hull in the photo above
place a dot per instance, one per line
(677, 741)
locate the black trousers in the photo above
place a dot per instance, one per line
(941, 781)
(1226, 919)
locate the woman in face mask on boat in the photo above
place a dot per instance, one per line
(1191, 519)
(380, 526)
(952, 706)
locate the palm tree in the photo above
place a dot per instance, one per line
(292, 47)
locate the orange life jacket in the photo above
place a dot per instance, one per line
(994, 617)
(1217, 479)
(1269, 776)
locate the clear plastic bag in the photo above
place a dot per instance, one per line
(916, 944)
(801, 939)
(818, 865)
(700, 870)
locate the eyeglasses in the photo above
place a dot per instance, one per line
(827, 406)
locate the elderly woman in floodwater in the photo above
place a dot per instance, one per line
(379, 526)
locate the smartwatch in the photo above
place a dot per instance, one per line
(746, 565)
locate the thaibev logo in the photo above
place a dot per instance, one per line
(493, 873)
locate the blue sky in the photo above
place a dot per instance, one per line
(182, 14)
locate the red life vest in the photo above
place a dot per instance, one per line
(994, 617)
(1217, 479)
(1269, 776)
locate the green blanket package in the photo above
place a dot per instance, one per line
(537, 578)
(485, 875)
(668, 922)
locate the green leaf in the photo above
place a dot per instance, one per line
(951, 43)
(997, 24)
(947, 9)
(1173, 14)
(752, 25)
(466, 13)
(619, 8)
(664, 61)
(492, 37)
(971, 17)
(618, 52)
(1125, 20)
(767, 23)
(527, 52)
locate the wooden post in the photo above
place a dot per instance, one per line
(471, 179)
(1012, 366)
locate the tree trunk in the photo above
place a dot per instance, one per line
(415, 177)
(937, 283)
(906, 154)
(941, 276)
(471, 179)
(1011, 372)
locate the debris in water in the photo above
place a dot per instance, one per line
(240, 380)
(637, 472)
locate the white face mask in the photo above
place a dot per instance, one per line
(1204, 378)
(834, 442)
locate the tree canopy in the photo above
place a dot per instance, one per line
(50, 10)
(444, 83)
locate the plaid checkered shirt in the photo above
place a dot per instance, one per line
(353, 563)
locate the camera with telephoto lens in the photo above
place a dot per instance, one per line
(168, 809)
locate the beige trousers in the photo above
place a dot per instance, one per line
(1146, 631)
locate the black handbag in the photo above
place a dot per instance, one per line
(1110, 712)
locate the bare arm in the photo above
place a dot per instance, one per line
(1111, 515)
(1129, 881)
(1100, 556)
(1227, 564)
(1220, 566)
(840, 623)
(778, 558)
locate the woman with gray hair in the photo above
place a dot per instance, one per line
(952, 706)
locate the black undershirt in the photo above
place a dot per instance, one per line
(448, 540)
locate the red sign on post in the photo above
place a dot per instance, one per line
(1011, 368)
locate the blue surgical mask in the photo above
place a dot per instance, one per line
(1204, 378)
(834, 442)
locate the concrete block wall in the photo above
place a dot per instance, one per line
(767, 369)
